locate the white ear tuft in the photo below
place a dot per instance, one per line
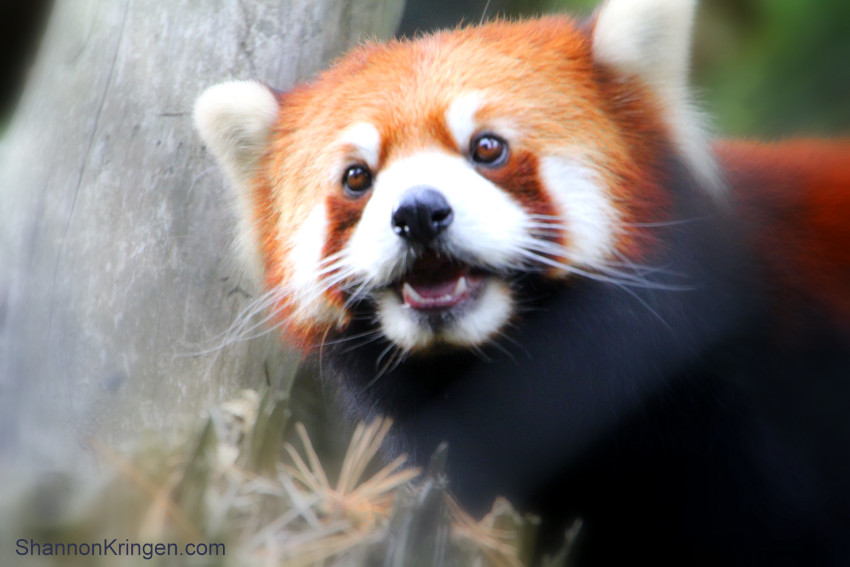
(235, 120)
(652, 39)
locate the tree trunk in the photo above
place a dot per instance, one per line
(115, 279)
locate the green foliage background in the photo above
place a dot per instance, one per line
(774, 68)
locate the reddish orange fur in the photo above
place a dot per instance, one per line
(405, 87)
(798, 195)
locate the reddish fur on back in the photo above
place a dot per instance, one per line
(798, 195)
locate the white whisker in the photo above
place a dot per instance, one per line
(538, 252)
(371, 335)
(661, 224)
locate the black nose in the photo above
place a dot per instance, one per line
(421, 214)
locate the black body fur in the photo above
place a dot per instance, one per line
(678, 423)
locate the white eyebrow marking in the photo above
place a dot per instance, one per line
(460, 117)
(462, 124)
(366, 140)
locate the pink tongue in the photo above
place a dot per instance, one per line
(433, 291)
(433, 296)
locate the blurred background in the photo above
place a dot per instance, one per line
(764, 68)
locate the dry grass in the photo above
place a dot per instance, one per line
(221, 486)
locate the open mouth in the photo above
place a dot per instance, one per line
(436, 284)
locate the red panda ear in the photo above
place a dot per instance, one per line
(235, 120)
(651, 39)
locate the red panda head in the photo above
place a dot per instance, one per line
(418, 180)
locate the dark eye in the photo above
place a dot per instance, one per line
(488, 149)
(357, 180)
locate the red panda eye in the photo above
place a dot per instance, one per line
(488, 150)
(357, 180)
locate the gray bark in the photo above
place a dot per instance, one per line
(115, 224)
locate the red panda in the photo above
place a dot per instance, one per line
(519, 238)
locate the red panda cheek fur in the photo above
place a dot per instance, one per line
(285, 195)
(312, 116)
(343, 215)
(520, 178)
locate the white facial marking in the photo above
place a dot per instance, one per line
(463, 124)
(488, 227)
(305, 285)
(399, 325)
(460, 117)
(482, 321)
(487, 223)
(493, 309)
(589, 217)
(366, 140)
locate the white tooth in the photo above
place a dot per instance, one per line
(460, 287)
(409, 291)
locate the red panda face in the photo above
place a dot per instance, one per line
(418, 181)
